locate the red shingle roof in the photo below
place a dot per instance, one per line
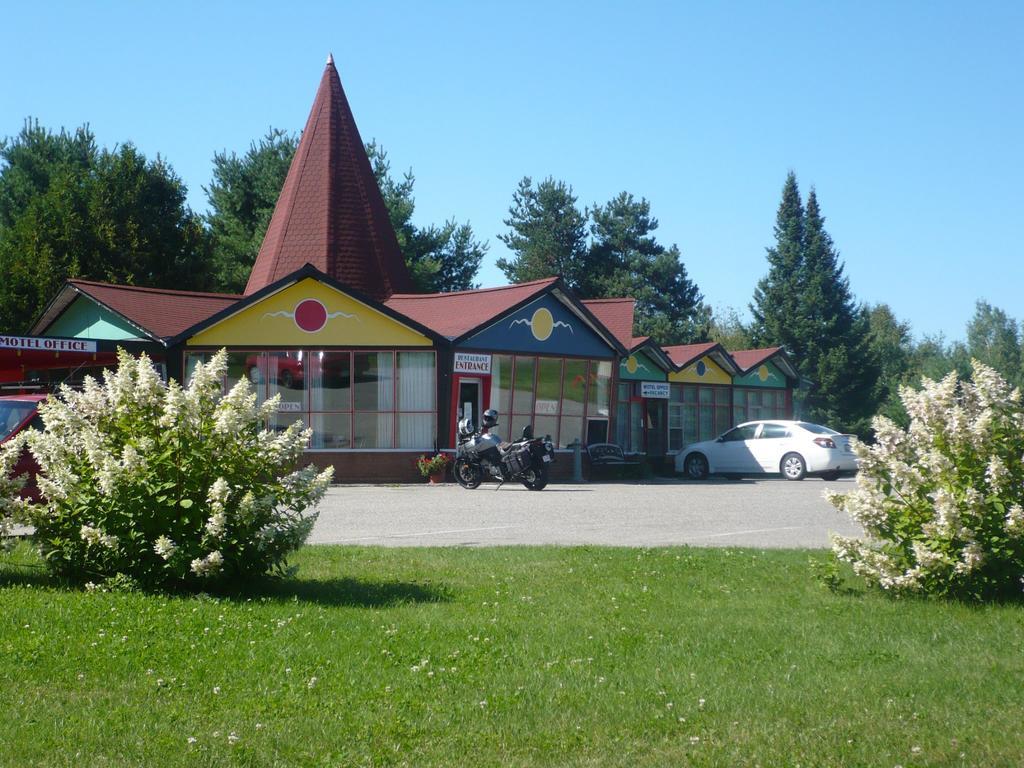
(617, 316)
(163, 313)
(749, 358)
(330, 213)
(454, 314)
(684, 354)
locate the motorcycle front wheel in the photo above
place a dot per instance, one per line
(467, 474)
(535, 479)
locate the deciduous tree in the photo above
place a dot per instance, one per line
(69, 209)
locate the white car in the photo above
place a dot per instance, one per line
(794, 448)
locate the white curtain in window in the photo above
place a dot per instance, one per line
(385, 397)
(416, 379)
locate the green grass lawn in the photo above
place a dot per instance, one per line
(513, 656)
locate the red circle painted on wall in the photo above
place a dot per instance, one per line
(310, 315)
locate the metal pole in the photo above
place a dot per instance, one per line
(577, 461)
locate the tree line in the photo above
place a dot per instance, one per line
(72, 209)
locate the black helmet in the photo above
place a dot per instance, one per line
(490, 418)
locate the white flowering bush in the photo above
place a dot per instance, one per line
(12, 507)
(169, 485)
(942, 502)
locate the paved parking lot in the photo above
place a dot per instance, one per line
(752, 513)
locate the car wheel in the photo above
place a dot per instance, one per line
(830, 476)
(793, 466)
(696, 467)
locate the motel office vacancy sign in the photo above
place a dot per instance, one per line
(43, 344)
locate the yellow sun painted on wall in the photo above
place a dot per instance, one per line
(633, 365)
(542, 324)
(763, 373)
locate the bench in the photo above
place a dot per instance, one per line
(609, 456)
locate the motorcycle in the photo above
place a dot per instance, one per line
(480, 453)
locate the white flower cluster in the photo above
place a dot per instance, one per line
(209, 565)
(12, 507)
(941, 502)
(122, 461)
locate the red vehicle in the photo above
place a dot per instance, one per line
(18, 413)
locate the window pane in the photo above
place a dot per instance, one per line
(739, 397)
(689, 394)
(331, 430)
(192, 359)
(501, 383)
(574, 387)
(549, 387)
(374, 381)
(330, 382)
(636, 427)
(690, 431)
(622, 425)
(285, 373)
(675, 393)
(542, 426)
(723, 418)
(249, 364)
(570, 428)
(722, 396)
(416, 381)
(513, 428)
(416, 430)
(707, 424)
(279, 422)
(373, 430)
(706, 396)
(600, 378)
(522, 398)
(623, 392)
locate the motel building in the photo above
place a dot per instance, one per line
(329, 322)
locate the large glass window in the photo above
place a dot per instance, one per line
(361, 399)
(564, 398)
(755, 404)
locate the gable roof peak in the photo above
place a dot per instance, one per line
(330, 212)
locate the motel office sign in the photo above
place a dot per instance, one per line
(44, 344)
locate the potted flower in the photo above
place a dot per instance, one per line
(433, 467)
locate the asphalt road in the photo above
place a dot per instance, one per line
(750, 513)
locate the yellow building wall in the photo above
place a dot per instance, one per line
(713, 373)
(272, 322)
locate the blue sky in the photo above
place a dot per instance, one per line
(908, 118)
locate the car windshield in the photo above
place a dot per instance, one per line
(816, 428)
(12, 413)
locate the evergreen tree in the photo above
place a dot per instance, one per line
(838, 360)
(804, 304)
(244, 192)
(242, 197)
(440, 258)
(548, 234)
(776, 320)
(69, 209)
(625, 259)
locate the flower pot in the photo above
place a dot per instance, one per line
(437, 478)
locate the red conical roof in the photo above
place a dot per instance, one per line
(330, 213)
